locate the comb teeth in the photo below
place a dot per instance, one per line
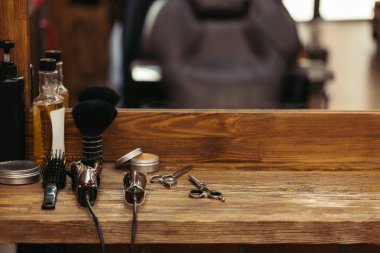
(55, 170)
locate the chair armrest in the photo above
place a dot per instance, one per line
(316, 71)
(305, 85)
(317, 74)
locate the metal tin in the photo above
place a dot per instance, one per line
(136, 159)
(19, 172)
(146, 163)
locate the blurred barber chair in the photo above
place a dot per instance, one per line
(220, 54)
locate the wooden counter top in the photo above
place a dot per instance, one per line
(261, 207)
(288, 177)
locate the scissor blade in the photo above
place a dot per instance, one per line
(182, 171)
(198, 183)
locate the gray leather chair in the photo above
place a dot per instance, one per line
(224, 54)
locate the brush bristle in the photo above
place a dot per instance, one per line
(100, 93)
(92, 117)
(55, 170)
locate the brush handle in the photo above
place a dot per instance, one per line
(50, 197)
(92, 147)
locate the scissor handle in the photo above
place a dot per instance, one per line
(156, 178)
(196, 194)
(216, 195)
(165, 179)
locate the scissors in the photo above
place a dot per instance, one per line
(169, 180)
(204, 191)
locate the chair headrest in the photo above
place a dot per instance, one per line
(220, 8)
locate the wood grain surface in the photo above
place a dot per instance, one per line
(261, 207)
(299, 140)
(288, 177)
(14, 26)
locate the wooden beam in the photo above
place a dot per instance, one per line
(337, 140)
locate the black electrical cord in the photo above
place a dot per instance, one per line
(134, 221)
(99, 228)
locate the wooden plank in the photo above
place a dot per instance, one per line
(228, 248)
(262, 207)
(336, 140)
(14, 26)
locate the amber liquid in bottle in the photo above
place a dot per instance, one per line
(47, 104)
(43, 129)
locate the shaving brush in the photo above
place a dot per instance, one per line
(92, 117)
(100, 93)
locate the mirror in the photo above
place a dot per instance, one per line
(82, 29)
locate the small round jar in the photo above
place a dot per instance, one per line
(145, 162)
(136, 159)
(19, 172)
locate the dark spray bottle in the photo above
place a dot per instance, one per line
(12, 108)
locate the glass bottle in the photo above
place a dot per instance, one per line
(48, 114)
(62, 90)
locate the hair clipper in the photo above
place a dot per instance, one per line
(85, 181)
(134, 184)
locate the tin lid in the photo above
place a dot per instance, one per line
(125, 158)
(19, 172)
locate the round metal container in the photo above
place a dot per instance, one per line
(146, 163)
(19, 172)
(136, 159)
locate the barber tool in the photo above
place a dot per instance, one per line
(169, 180)
(85, 183)
(134, 194)
(142, 162)
(54, 178)
(85, 180)
(92, 117)
(204, 191)
(100, 93)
